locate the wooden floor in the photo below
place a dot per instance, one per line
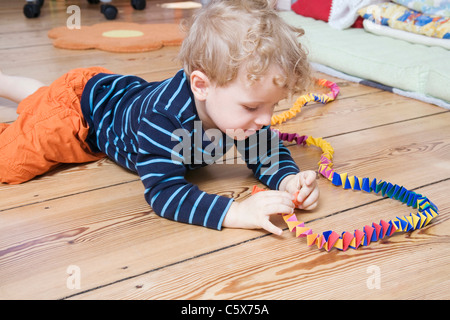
(86, 232)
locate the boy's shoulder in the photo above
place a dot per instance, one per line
(175, 100)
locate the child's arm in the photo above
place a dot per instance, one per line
(162, 165)
(268, 158)
(255, 211)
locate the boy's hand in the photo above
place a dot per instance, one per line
(255, 212)
(305, 184)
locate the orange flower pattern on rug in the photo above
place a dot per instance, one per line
(118, 37)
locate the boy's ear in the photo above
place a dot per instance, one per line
(199, 85)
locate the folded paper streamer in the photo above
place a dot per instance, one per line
(304, 99)
(426, 210)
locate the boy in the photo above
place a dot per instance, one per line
(239, 59)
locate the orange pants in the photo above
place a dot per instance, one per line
(50, 130)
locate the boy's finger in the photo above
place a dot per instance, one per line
(273, 195)
(311, 201)
(308, 178)
(275, 208)
(303, 194)
(309, 207)
(269, 226)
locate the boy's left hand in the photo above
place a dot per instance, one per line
(305, 184)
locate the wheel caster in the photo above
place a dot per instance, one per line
(138, 4)
(32, 10)
(109, 11)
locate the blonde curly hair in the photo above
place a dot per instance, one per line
(228, 34)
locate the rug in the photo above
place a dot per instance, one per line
(117, 37)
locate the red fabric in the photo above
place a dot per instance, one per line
(358, 23)
(317, 9)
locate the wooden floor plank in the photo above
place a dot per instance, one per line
(94, 217)
(372, 110)
(109, 233)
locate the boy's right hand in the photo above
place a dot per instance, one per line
(255, 211)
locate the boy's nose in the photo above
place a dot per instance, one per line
(264, 119)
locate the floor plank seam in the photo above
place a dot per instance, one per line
(28, 46)
(167, 266)
(388, 124)
(71, 194)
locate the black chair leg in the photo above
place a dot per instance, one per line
(109, 11)
(32, 9)
(138, 4)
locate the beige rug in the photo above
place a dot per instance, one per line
(117, 37)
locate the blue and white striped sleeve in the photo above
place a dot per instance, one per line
(265, 154)
(162, 171)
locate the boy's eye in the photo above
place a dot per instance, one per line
(249, 108)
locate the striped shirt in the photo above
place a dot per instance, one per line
(153, 129)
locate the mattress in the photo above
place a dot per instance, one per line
(417, 69)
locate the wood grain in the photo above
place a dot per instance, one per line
(285, 268)
(94, 217)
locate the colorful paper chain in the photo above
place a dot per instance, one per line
(304, 99)
(426, 210)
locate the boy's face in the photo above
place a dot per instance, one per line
(242, 107)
